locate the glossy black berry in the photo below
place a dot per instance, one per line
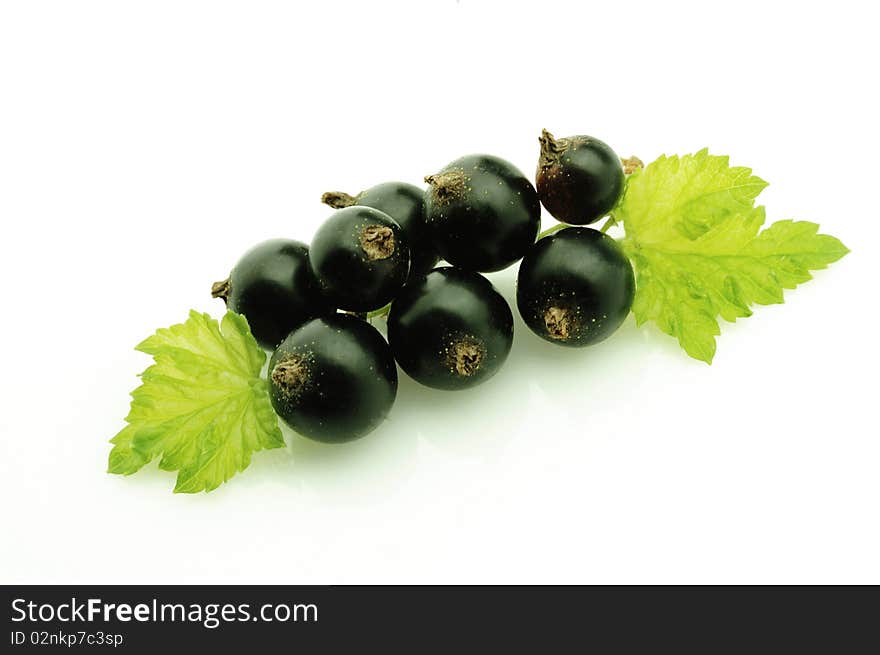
(579, 178)
(483, 213)
(333, 379)
(272, 285)
(450, 329)
(360, 257)
(403, 202)
(575, 287)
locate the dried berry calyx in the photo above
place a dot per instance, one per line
(465, 356)
(290, 375)
(559, 322)
(377, 242)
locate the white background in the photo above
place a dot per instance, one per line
(145, 145)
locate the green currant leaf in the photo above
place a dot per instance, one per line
(686, 195)
(695, 240)
(202, 406)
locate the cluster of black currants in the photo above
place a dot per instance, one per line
(332, 375)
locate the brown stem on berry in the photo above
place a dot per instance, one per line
(338, 199)
(631, 164)
(447, 186)
(221, 289)
(551, 149)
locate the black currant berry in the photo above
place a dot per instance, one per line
(403, 202)
(333, 379)
(450, 329)
(483, 213)
(272, 285)
(360, 257)
(579, 178)
(575, 287)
